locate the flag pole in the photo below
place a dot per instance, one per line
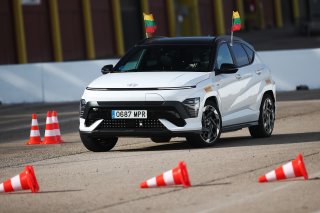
(231, 37)
(231, 30)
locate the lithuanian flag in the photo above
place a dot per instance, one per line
(149, 23)
(236, 21)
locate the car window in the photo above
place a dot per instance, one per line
(167, 58)
(133, 62)
(223, 56)
(240, 55)
(249, 51)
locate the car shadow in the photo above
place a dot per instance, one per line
(236, 142)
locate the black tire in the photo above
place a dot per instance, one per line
(211, 127)
(266, 118)
(161, 139)
(98, 144)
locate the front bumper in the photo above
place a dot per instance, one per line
(164, 118)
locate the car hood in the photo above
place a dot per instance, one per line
(149, 79)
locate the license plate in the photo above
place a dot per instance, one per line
(129, 114)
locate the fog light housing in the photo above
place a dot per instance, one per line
(83, 104)
(192, 105)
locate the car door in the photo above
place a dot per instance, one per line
(226, 84)
(246, 86)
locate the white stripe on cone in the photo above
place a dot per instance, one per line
(1, 187)
(15, 182)
(168, 177)
(49, 120)
(34, 133)
(34, 122)
(54, 121)
(152, 182)
(288, 170)
(271, 176)
(50, 133)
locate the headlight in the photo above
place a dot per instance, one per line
(192, 105)
(82, 106)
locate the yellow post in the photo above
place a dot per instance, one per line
(86, 10)
(19, 30)
(296, 11)
(278, 13)
(145, 6)
(55, 30)
(196, 19)
(118, 33)
(260, 15)
(171, 17)
(218, 13)
(241, 11)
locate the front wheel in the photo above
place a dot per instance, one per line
(211, 127)
(266, 119)
(98, 144)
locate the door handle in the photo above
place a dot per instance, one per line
(238, 76)
(258, 72)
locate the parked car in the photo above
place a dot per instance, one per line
(193, 87)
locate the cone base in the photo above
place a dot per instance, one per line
(50, 141)
(302, 167)
(184, 174)
(60, 141)
(33, 142)
(31, 179)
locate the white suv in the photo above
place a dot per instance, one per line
(193, 87)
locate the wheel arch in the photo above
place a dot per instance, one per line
(270, 92)
(213, 99)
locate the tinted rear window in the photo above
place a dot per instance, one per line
(250, 52)
(240, 54)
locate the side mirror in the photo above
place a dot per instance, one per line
(106, 69)
(228, 68)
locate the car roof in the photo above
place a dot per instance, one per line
(201, 40)
(178, 40)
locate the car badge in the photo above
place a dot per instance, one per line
(132, 85)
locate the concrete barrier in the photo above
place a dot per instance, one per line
(291, 68)
(65, 81)
(48, 82)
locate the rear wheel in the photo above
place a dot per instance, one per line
(266, 119)
(211, 127)
(98, 144)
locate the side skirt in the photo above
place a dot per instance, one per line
(238, 126)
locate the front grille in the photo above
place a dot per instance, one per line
(131, 124)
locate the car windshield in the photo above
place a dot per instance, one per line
(170, 58)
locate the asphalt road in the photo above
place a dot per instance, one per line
(224, 177)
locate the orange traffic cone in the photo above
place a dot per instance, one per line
(56, 126)
(176, 176)
(294, 168)
(25, 180)
(50, 134)
(34, 132)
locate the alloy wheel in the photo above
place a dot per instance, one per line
(268, 115)
(211, 125)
